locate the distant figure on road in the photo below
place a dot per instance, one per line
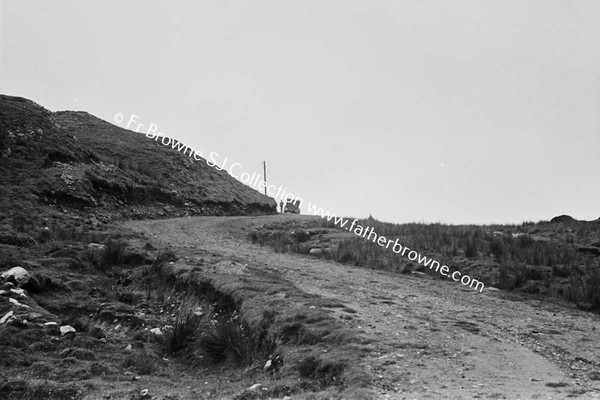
(281, 206)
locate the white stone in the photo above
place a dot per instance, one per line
(256, 386)
(156, 331)
(268, 365)
(6, 317)
(96, 246)
(67, 329)
(19, 292)
(16, 303)
(19, 274)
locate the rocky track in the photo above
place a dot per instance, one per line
(431, 338)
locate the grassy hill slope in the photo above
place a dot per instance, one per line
(77, 161)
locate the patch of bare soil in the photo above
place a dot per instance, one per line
(421, 338)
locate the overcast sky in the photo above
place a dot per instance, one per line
(464, 111)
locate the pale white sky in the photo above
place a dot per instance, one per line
(464, 111)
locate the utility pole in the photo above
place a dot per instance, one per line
(265, 175)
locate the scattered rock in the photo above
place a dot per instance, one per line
(96, 247)
(256, 386)
(7, 317)
(18, 292)
(17, 275)
(156, 331)
(16, 303)
(267, 366)
(8, 285)
(67, 330)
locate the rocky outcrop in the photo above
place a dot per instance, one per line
(565, 219)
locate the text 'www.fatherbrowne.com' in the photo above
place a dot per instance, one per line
(370, 234)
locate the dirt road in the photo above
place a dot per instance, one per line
(433, 339)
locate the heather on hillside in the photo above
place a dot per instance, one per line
(546, 258)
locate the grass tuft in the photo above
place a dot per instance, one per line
(232, 341)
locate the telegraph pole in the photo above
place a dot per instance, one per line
(265, 175)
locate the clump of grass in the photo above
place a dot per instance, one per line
(183, 333)
(232, 341)
(325, 372)
(584, 288)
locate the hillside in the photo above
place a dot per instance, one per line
(558, 258)
(76, 161)
(418, 337)
(96, 305)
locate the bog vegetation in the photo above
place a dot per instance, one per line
(547, 258)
